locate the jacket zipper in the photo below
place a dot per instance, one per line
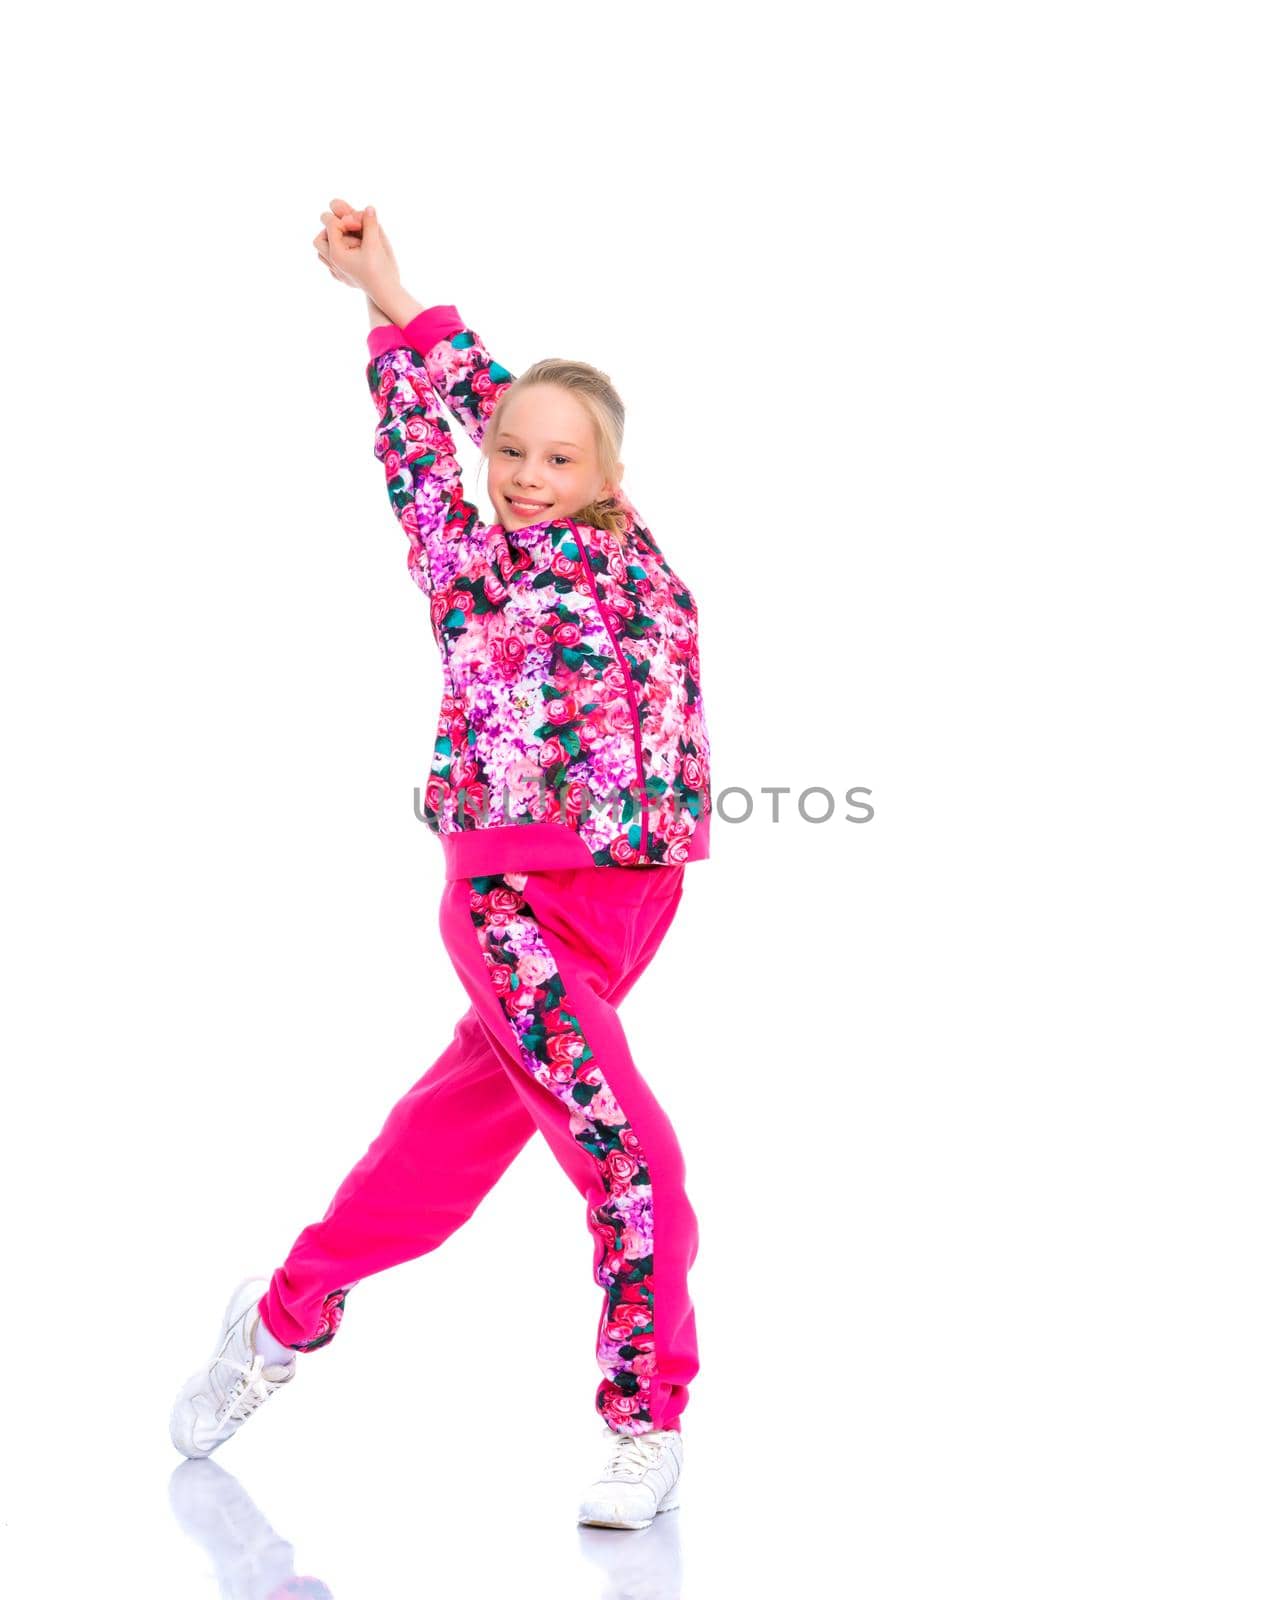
(631, 695)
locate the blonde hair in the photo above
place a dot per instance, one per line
(603, 405)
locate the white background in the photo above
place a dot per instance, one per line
(948, 339)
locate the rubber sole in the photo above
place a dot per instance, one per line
(669, 1502)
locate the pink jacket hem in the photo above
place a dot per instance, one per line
(534, 847)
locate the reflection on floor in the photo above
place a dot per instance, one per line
(253, 1562)
(250, 1558)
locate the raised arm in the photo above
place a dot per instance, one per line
(461, 370)
(450, 545)
(447, 537)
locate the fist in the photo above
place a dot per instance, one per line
(355, 250)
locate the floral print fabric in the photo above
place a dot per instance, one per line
(572, 675)
(555, 1052)
(330, 1321)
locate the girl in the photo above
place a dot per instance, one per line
(569, 788)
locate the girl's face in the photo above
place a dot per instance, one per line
(543, 464)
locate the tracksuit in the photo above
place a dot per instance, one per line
(569, 788)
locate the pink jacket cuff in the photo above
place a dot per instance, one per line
(383, 338)
(422, 334)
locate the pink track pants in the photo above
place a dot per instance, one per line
(546, 957)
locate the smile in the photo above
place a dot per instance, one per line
(525, 505)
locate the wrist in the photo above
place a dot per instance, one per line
(399, 306)
(377, 317)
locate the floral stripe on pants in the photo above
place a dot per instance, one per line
(546, 958)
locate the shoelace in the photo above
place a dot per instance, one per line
(248, 1392)
(633, 1455)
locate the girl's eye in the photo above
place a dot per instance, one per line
(510, 449)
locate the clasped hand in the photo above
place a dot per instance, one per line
(356, 251)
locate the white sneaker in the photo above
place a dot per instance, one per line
(232, 1384)
(639, 1480)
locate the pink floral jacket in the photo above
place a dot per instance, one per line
(571, 729)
